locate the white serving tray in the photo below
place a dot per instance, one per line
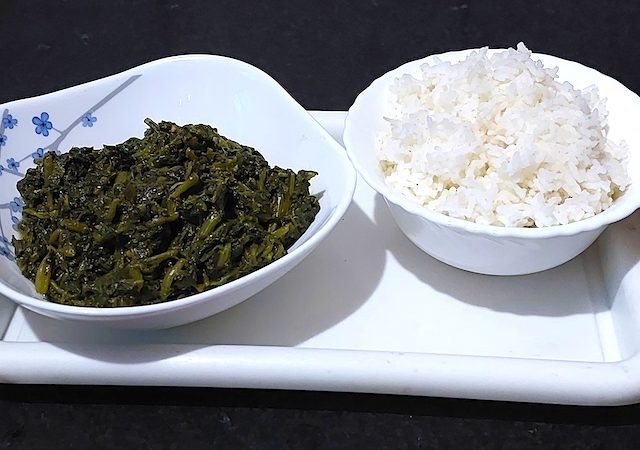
(369, 312)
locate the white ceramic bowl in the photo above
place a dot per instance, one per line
(490, 249)
(243, 102)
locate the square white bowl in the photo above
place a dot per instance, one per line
(241, 101)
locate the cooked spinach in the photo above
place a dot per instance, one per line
(180, 211)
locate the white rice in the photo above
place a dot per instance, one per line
(498, 140)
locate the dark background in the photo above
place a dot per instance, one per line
(324, 53)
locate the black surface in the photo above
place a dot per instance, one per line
(84, 417)
(323, 53)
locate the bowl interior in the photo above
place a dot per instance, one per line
(242, 102)
(365, 121)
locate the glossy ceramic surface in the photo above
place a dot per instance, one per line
(490, 249)
(244, 103)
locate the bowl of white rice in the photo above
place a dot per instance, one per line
(501, 162)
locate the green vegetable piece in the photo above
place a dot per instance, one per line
(43, 276)
(113, 209)
(210, 224)
(74, 225)
(281, 232)
(165, 287)
(224, 256)
(137, 277)
(121, 178)
(53, 237)
(191, 181)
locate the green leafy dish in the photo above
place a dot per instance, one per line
(180, 211)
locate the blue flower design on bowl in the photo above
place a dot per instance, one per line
(88, 120)
(3, 140)
(42, 123)
(12, 164)
(4, 248)
(38, 154)
(16, 205)
(9, 122)
(4, 251)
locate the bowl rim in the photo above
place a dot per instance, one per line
(131, 312)
(625, 204)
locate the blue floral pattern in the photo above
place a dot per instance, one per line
(88, 120)
(6, 252)
(38, 154)
(16, 205)
(42, 123)
(9, 122)
(12, 164)
(3, 140)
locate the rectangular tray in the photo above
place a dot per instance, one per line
(369, 312)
